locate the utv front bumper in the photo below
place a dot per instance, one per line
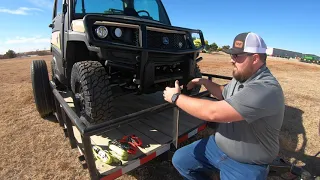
(144, 48)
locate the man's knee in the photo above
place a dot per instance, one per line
(186, 155)
(179, 157)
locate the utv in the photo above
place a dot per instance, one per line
(103, 49)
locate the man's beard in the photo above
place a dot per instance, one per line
(242, 76)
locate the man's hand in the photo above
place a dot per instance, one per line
(194, 82)
(168, 92)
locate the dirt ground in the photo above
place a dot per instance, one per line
(33, 148)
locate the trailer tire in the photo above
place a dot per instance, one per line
(41, 88)
(92, 93)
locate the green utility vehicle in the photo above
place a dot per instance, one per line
(310, 58)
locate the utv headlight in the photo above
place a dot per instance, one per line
(118, 32)
(102, 32)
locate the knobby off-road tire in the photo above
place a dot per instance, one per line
(197, 88)
(54, 79)
(41, 88)
(91, 91)
(52, 70)
(198, 74)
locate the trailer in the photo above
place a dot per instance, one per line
(147, 116)
(161, 126)
(276, 52)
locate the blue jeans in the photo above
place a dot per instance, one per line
(193, 160)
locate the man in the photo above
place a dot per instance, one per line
(250, 112)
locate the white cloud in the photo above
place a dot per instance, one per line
(42, 3)
(21, 40)
(19, 11)
(24, 44)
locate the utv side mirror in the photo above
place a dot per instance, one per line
(197, 39)
(51, 25)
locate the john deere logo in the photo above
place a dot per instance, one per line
(165, 40)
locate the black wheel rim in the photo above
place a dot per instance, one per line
(79, 100)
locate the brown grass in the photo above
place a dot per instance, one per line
(34, 148)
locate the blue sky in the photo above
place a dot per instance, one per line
(292, 25)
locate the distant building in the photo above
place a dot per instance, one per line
(276, 52)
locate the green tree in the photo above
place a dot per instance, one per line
(11, 54)
(213, 47)
(226, 47)
(197, 43)
(206, 42)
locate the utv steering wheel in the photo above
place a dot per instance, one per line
(144, 11)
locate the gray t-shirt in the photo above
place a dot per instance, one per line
(260, 101)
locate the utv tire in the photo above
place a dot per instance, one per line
(92, 93)
(52, 70)
(197, 88)
(56, 81)
(198, 74)
(41, 88)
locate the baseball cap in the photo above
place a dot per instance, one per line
(247, 42)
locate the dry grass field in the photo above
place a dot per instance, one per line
(33, 148)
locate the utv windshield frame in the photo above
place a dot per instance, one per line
(163, 16)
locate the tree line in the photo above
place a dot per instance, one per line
(213, 47)
(12, 54)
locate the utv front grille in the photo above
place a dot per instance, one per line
(162, 40)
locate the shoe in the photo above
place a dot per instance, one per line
(102, 155)
(118, 149)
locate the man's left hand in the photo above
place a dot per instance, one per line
(169, 92)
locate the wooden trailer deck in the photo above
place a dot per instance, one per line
(155, 131)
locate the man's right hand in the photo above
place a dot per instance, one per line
(194, 82)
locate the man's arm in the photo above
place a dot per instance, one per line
(213, 88)
(213, 111)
